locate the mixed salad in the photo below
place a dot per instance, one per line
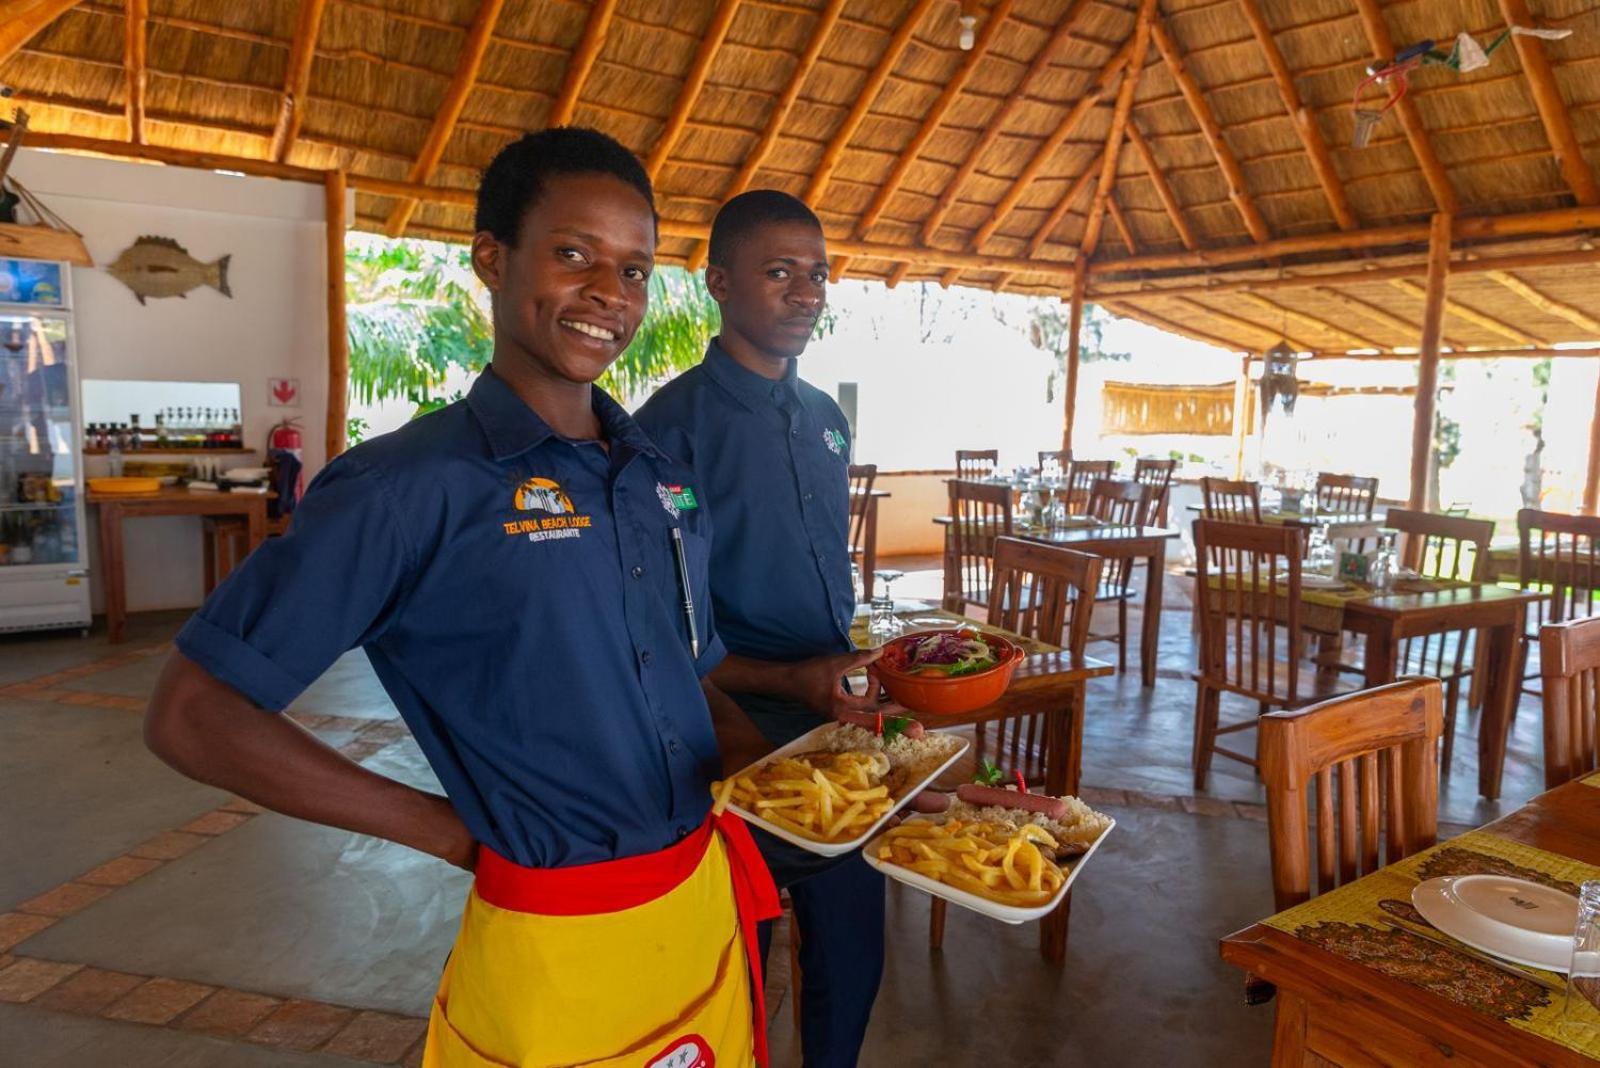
(962, 652)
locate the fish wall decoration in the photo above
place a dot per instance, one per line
(160, 267)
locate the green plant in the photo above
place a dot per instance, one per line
(355, 429)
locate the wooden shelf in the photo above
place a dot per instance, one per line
(196, 450)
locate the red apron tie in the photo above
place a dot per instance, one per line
(755, 896)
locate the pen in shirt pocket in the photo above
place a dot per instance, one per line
(676, 537)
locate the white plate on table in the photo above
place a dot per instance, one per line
(1513, 919)
(1012, 914)
(808, 742)
(1312, 581)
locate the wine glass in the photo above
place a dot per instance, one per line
(883, 621)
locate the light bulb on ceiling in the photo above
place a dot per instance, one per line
(969, 27)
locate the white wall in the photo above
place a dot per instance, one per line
(275, 325)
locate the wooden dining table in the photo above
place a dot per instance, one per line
(1049, 682)
(1362, 979)
(1132, 543)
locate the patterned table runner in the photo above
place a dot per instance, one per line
(1322, 610)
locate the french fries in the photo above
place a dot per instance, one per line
(826, 797)
(997, 861)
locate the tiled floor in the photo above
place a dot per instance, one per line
(147, 920)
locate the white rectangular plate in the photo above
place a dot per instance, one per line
(1012, 914)
(805, 743)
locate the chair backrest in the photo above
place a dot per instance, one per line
(979, 513)
(1120, 501)
(1231, 501)
(1081, 477)
(1157, 474)
(976, 463)
(1561, 554)
(1346, 494)
(1382, 747)
(1569, 661)
(1247, 589)
(862, 477)
(1062, 458)
(1443, 546)
(1044, 592)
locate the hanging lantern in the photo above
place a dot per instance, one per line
(1279, 385)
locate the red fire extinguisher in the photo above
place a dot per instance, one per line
(286, 436)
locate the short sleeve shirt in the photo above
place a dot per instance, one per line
(773, 458)
(519, 597)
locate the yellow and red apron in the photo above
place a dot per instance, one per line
(649, 961)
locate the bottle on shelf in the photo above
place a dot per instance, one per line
(161, 431)
(114, 451)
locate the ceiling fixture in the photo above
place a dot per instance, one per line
(969, 25)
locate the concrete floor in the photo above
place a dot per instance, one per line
(146, 920)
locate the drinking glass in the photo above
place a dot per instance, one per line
(1381, 576)
(855, 581)
(882, 621)
(1057, 518)
(1028, 505)
(1583, 980)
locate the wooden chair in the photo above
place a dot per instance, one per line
(979, 513)
(1446, 547)
(1569, 661)
(1044, 592)
(976, 463)
(1379, 744)
(1081, 477)
(1123, 503)
(1247, 589)
(1560, 554)
(1231, 501)
(1062, 458)
(863, 547)
(1346, 494)
(1157, 474)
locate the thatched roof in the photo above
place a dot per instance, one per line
(869, 110)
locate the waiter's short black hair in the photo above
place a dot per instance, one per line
(515, 179)
(750, 211)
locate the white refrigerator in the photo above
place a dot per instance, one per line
(44, 571)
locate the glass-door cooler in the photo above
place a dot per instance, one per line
(43, 552)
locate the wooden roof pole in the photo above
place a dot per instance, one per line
(1053, 220)
(1069, 400)
(1353, 340)
(1552, 108)
(930, 125)
(1120, 221)
(1158, 178)
(1433, 172)
(468, 64)
(1471, 315)
(1169, 325)
(1427, 399)
(1246, 325)
(333, 200)
(716, 32)
(1211, 130)
(134, 52)
(1059, 39)
(1378, 315)
(826, 21)
(21, 19)
(584, 57)
(297, 78)
(1305, 124)
(1547, 304)
(1090, 242)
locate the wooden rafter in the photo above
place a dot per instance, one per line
(863, 103)
(21, 19)
(1353, 340)
(1171, 326)
(716, 32)
(1471, 315)
(1433, 172)
(930, 125)
(826, 21)
(134, 51)
(1158, 178)
(1120, 221)
(1547, 304)
(473, 49)
(1042, 60)
(1090, 242)
(1379, 315)
(1552, 108)
(584, 57)
(297, 78)
(1211, 130)
(1274, 334)
(1053, 220)
(1305, 124)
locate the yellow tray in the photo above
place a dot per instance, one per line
(124, 486)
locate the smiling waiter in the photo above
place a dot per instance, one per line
(510, 566)
(772, 453)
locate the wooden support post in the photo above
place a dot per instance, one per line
(1428, 361)
(1591, 481)
(1080, 279)
(1241, 415)
(333, 189)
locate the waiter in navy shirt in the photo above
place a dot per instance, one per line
(511, 566)
(772, 452)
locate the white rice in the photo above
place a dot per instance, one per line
(918, 755)
(1082, 826)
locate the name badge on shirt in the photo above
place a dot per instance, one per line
(834, 440)
(676, 499)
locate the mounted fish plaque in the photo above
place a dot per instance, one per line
(160, 267)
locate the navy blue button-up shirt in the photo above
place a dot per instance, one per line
(774, 460)
(518, 596)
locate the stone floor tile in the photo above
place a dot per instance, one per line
(1249, 811)
(120, 872)
(377, 1036)
(413, 1058)
(65, 899)
(1207, 806)
(168, 846)
(1164, 802)
(214, 823)
(88, 992)
(228, 1013)
(27, 978)
(17, 927)
(1101, 795)
(158, 1001)
(301, 1025)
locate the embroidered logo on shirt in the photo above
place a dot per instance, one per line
(690, 1051)
(664, 495)
(676, 499)
(834, 441)
(560, 518)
